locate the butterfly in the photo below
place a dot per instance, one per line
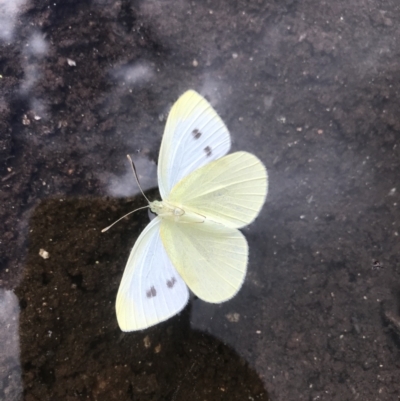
(194, 241)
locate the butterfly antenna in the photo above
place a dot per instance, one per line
(115, 222)
(136, 177)
(133, 211)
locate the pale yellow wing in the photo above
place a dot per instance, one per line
(230, 190)
(194, 136)
(210, 258)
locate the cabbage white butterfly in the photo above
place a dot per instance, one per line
(194, 241)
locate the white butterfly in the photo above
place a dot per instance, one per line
(194, 241)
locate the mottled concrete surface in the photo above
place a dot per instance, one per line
(310, 87)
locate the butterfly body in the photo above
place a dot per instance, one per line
(194, 241)
(177, 214)
(166, 211)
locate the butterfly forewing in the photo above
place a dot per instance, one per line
(211, 258)
(230, 190)
(151, 289)
(194, 136)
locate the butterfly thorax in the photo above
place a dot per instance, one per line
(164, 209)
(168, 211)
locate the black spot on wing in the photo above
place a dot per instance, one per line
(196, 134)
(151, 292)
(171, 283)
(208, 151)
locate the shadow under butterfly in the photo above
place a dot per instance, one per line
(71, 345)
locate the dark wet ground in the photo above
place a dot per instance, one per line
(311, 88)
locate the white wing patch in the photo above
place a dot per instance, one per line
(194, 135)
(151, 289)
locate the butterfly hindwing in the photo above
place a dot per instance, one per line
(211, 258)
(194, 136)
(151, 289)
(230, 190)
